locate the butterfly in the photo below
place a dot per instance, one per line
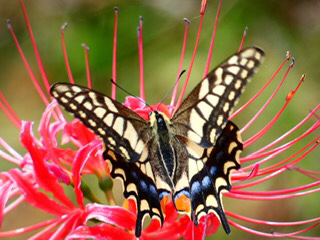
(188, 158)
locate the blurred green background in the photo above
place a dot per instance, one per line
(275, 26)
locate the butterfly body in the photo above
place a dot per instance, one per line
(188, 157)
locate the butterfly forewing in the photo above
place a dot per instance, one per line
(204, 113)
(122, 130)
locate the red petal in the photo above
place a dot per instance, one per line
(80, 160)
(213, 224)
(102, 231)
(195, 232)
(133, 103)
(111, 214)
(132, 206)
(65, 155)
(79, 133)
(4, 195)
(45, 178)
(34, 197)
(49, 131)
(59, 173)
(171, 213)
(173, 230)
(153, 226)
(162, 108)
(67, 226)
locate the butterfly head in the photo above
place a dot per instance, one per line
(158, 119)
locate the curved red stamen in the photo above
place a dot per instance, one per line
(185, 37)
(261, 90)
(114, 53)
(281, 148)
(10, 116)
(276, 192)
(281, 170)
(31, 74)
(210, 52)
(273, 235)
(312, 174)
(245, 32)
(10, 109)
(28, 68)
(86, 54)
(271, 123)
(257, 154)
(268, 102)
(268, 198)
(35, 48)
(14, 204)
(191, 63)
(65, 55)
(270, 223)
(203, 6)
(16, 155)
(275, 167)
(141, 61)
(51, 222)
(9, 158)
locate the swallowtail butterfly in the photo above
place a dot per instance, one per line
(188, 157)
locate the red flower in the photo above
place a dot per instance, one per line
(41, 174)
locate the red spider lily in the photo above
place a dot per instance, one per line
(41, 174)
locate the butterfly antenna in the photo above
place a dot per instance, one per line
(164, 98)
(117, 85)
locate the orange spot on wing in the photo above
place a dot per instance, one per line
(183, 204)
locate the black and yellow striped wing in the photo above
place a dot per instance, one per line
(121, 129)
(138, 181)
(213, 144)
(126, 136)
(204, 113)
(209, 175)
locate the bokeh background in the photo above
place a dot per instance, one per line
(275, 26)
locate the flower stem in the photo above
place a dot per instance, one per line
(110, 198)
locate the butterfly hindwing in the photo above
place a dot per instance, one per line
(209, 174)
(138, 184)
(205, 111)
(121, 129)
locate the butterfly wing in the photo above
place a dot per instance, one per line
(125, 135)
(213, 144)
(215, 177)
(204, 113)
(138, 184)
(121, 129)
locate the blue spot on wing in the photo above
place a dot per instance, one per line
(213, 170)
(182, 192)
(206, 182)
(133, 174)
(195, 188)
(153, 191)
(143, 186)
(162, 194)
